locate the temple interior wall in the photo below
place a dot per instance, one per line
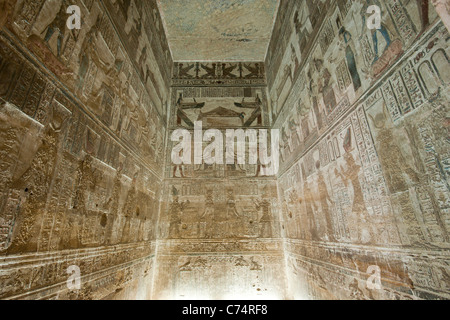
(364, 178)
(87, 177)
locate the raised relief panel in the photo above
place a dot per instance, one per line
(70, 98)
(87, 177)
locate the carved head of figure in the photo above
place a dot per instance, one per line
(135, 177)
(175, 194)
(348, 157)
(91, 141)
(318, 63)
(379, 121)
(50, 138)
(59, 115)
(348, 144)
(344, 35)
(318, 164)
(87, 161)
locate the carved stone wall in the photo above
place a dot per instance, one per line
(87, 178)
(365, 150)
(82, 136)
(219, 223)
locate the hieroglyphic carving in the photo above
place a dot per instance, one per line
(77, 120)
(377, 175)
(365, 161)
(212, 213)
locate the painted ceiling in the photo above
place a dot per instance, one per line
(218, 30)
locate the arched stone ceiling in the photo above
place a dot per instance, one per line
(218, 30)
